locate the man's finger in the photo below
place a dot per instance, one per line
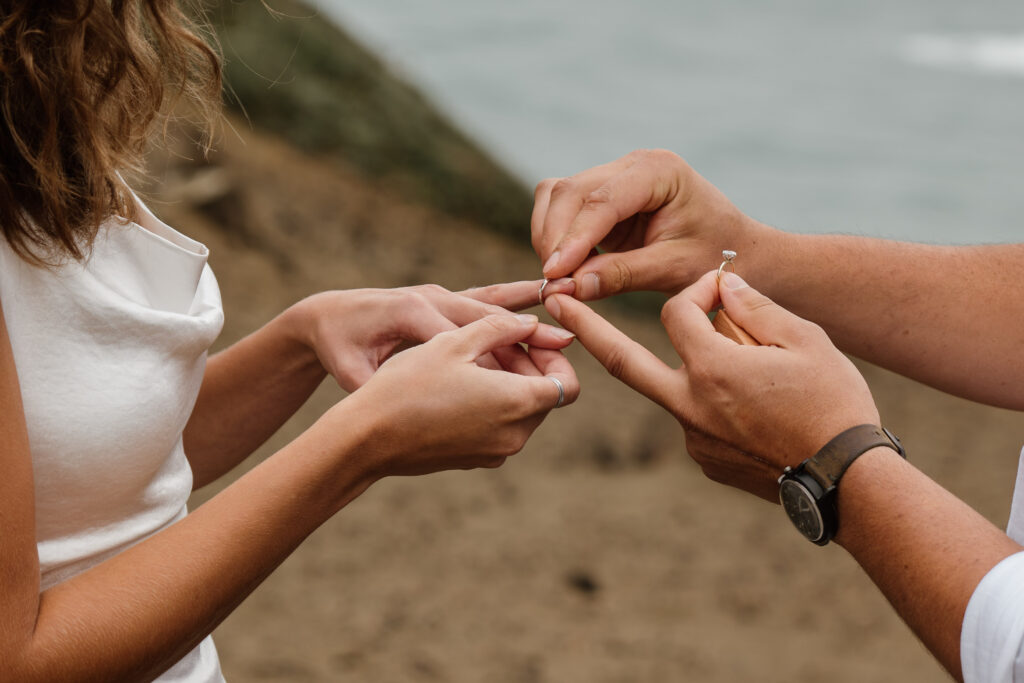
(565, 198)
(685, 317)
(629, 271)
(761, 317)
(645, 185)
(624, 358)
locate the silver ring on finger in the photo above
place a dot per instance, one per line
(540, 294)
(561, 390)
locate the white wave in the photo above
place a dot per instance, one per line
(986, 52)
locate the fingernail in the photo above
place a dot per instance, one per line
(551, 303)
(552, 261)
(527, 319)
(732, 280)
(590, 285)
(563, 334)
(566, 284)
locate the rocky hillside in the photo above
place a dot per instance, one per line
(296, 75)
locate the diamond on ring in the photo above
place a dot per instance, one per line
(561, 390)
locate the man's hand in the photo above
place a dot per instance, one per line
(748, 411)
(660, 223)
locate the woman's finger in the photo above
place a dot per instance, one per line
(515, 359)
(515, 296)
(552, 363)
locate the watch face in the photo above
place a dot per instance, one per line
(801, 508)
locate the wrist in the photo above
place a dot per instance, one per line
(345, 446)
(871, 473)
(299, 324)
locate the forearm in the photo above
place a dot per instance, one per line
(924, 548)
(249, 390)
(134, 615)
(951, 317)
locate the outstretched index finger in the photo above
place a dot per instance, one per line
(624, 358)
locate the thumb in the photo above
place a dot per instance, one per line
(769, 323)
(488, 333)
(628, 271)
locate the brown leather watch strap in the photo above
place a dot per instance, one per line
(828, 465)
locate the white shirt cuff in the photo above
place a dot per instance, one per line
(993, 629)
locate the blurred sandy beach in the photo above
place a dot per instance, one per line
(600, 553)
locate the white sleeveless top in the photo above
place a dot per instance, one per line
(110, 355)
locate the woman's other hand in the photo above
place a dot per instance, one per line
(434, 407)
(748, 411)
(352, 332)
(658, 221)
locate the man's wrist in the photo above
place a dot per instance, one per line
(860, 487)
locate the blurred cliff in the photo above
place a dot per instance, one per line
(305, 80)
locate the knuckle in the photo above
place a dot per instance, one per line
(622, 274)
(664, 156)
(563, 187)
(615, 362)
(415, 299)
(430, 289)
(759, 301)
(598, 199)
(638, 154)
(509, 444)
(496, 322)
(544, 187)
(668, 311)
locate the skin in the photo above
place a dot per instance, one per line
(749, 411)
(238, 410)
(134, 615)
(945, 316)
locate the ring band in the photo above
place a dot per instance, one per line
(728, 255)
(561, 390)
(540, 294)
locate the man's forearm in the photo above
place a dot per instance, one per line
(951, 317)
(924, 548)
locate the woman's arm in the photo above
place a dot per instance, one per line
(951, 317)
(134, 615)
(250, 389)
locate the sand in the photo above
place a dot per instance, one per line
(598, 554)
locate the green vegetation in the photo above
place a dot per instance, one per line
(296, 74)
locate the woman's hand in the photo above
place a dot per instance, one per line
(434, 407)
(748, 411)
(660, 223)
(353, 332)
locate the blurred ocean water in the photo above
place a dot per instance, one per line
(896, 118)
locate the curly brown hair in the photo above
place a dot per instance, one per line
(84, 83)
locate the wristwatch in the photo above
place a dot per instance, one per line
(808, 491)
